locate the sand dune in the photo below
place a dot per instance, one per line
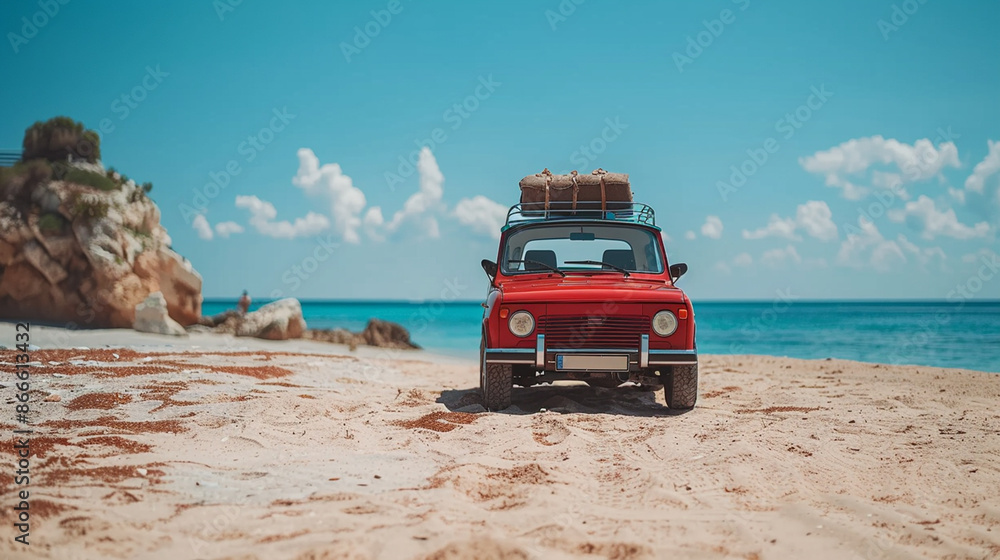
(253, 452)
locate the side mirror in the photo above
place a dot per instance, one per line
(491, 268)
(677, 270)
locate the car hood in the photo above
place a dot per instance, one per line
(590, 289)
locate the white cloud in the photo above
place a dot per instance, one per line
(421, 205)
(923, 214)
(885, 254)
(919, 161)
(743, 259)
(851, 191)
(431, 228)
(347, 201)
(200, 224)
(984, 169)
(778, 257)
(957, 194)
(776, 227)
(985, 256)
(885, 180)
(428, 197)
(225, 229)
(422, 209)
(858, 242)
(712, 227)
(262, 213)
(815, 263)
(814, 217)
(923, 255)
(690, 235)
(373, 223)
(482, 215)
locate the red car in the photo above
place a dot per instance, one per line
(586, 296)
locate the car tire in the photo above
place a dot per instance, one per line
(681, 386)
(496, 382)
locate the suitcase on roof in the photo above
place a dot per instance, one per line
(546, 192)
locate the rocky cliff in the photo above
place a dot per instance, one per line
(83, 246)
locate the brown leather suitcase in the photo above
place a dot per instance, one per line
(600, 190)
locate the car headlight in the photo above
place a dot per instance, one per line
(521, 323)
(664, 323)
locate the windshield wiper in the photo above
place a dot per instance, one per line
(552, 268)
(602, 263)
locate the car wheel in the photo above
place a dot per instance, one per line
(681, 386)
(497, 386)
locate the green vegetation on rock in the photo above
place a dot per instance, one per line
(51, 224)
(90, 208)
(84, 177)
(61, 149)
(59, 138)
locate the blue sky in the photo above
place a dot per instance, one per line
(886, 109)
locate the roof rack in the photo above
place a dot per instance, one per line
(536, 212)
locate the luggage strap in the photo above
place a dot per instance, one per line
(576, 191)
(604, 197)
(548, 179)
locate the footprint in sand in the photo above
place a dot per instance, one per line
(81, 525)
(549, 431)
(363, 509)
(212, 421)
(239, 442)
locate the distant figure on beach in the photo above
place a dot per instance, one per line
(244, 304)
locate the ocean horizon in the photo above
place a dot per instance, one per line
(905, 332)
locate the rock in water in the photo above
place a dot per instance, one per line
(279, 320)
(151, 316)
(76, 254)
(387, 335)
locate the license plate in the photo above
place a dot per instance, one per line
(592, 362)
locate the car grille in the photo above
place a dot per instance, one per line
(593, 332)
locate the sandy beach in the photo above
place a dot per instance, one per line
(217, 447)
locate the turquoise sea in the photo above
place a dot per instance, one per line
(920, 333)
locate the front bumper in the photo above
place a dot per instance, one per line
(544, 359)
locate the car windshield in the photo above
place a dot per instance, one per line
(605, 247)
